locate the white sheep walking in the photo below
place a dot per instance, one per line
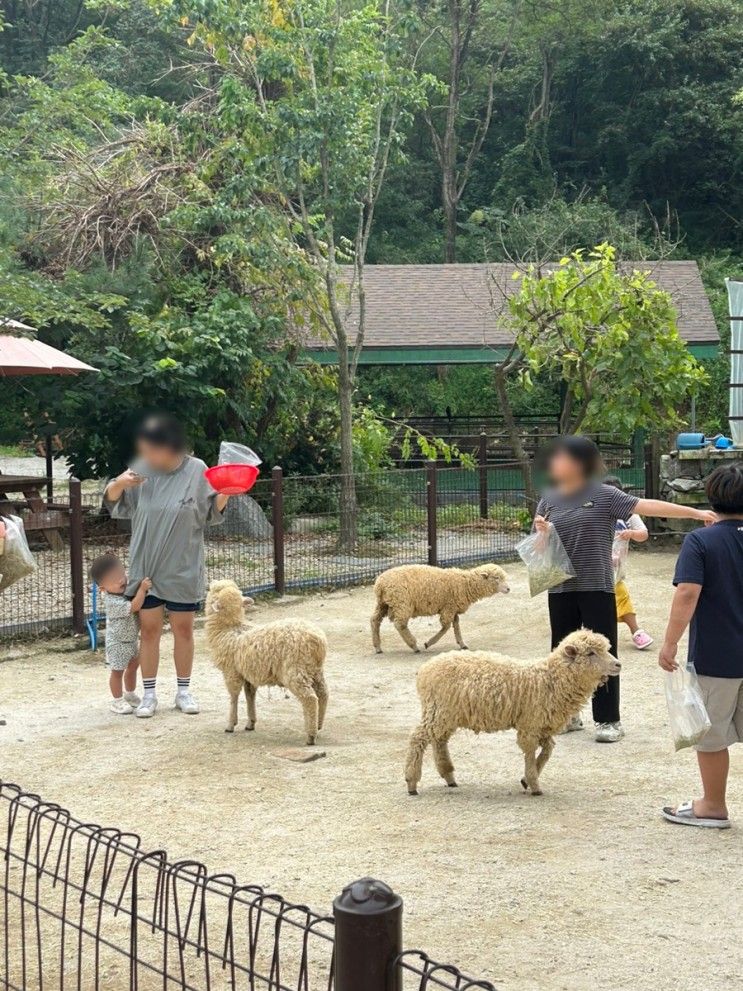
(289, 653)
(487, 692)
(422, 590)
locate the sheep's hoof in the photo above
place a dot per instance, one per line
(249, 727)
(452, 784)
(412, 791)
(311, 741)
(536, 793)
(229, 729)
(524, 784)
(464, 647)
(416, 650)
(378, 650)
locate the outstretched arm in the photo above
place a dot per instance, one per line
(657, 507)
(682, 609)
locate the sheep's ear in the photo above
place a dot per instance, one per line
(570, 651)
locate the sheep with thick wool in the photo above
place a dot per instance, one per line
(421, 590)
(487, 692)
(289, 653)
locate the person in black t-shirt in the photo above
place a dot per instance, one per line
(709, 599)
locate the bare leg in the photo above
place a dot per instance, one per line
(115, 683)
(150, 632)
(402, 629)
(376, 621)
(321, 690)
(234, 683)
(310, 708)
(445, 627)
(250, 691)
(458, 633)
(419, 740)
(630, 619)
(530, 779)
(714, 769)
(181, 624)
(130, 675)
(443, 761)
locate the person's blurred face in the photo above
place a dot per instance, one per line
(565, 472)
(114, 581)
(156, 456)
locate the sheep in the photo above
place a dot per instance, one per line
(421, 590)
(289, 653)
(487, 692)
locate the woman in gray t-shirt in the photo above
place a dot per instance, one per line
(584, 513)
(170, 503)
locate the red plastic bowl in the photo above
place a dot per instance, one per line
(231, 479)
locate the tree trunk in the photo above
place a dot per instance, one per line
(449, 199)
(348, 504)
(514, 436)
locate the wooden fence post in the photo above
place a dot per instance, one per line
(277, 518)
(652, 469)
(49, 456)
(368, 937)
(77, 580)
(431, 507)
(483, 459)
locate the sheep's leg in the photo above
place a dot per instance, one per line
(250, 691)
(402, 628)
(548, 745)
(376, 621)
(321, 690)
(310, 708)
(234, 683)
(443, 761)
(530, 779)
(419, 740)
(445, 627)
(458, 633)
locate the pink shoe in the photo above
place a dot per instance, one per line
(641, 639)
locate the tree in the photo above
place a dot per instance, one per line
(468, 41)
(608, 335)
(327, 93)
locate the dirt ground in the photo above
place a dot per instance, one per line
(583, 888)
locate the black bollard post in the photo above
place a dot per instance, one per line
(368, 937)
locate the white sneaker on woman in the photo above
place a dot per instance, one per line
(147, 707)
(609, 732)
(187, 703)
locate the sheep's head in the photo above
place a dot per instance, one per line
(588, 652)
(489, 580)
(226, 599)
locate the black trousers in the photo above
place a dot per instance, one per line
(596, 611)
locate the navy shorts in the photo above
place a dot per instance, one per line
(152, 602)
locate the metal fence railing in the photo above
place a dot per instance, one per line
(88, 907)
(289, 534)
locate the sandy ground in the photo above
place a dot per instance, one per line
(585, 887)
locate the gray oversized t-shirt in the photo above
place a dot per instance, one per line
(169, 512)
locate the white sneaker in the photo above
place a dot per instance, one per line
(572, 726)
(132, 698)
(609, 732)
(121, 707)
(147, 707)
(187, 703)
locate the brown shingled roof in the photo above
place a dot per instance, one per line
(450, 305)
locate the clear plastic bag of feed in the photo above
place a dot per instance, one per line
(686, 712)
(619, 554)
(547, 562)
(231, 453)
(16, 561)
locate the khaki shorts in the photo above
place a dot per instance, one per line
(624, 602)
(723, 699)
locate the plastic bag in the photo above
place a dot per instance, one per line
(686, 712)
(619, 554)
(237, 454)
(547, 562)
(17, 561)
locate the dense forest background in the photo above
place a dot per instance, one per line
(546, 127)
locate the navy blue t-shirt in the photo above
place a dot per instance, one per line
(713, 558)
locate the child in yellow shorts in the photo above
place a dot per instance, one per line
(631, 529)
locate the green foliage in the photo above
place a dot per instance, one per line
(610, 337)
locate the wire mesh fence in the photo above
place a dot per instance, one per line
(83, 906)
(294, 533)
